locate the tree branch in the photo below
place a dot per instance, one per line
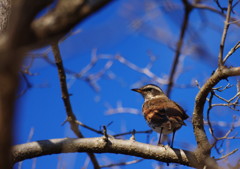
(100, 145)
(204, 147)
(224, 34)
(209, 8)
(188, 9)
(64, 17)
(71, 118)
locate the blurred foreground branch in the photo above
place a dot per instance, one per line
(21, 32)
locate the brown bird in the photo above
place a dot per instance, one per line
(162, 114)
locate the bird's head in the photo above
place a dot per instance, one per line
(149, 91)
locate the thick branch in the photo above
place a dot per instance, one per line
(5, 8)
(10, 62)
(204, 146)
(64, 17)
(101, 145)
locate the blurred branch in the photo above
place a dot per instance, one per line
(55, 24)
(28, 85)
(100, 145)
(85, 73)
(71, 118)
(220, 7)
(19, 34)
(146, 71)
(226, 136)
(34, 33)
(5, 9)
(209, 8)
(225, 156)
(122, 163)
(10, 63)
(187, 12)
(121, 109)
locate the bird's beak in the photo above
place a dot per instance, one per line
(137, 90)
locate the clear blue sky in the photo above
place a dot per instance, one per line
(115, 30)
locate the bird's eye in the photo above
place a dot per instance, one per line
(148, 89)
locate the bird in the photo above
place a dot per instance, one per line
(162, 114)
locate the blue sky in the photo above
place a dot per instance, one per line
(115, 30)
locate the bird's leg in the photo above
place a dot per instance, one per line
(159, 141)
(173, 135)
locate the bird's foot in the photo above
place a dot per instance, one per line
(161, 145)
(167, 147)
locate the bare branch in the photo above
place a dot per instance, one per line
(208, 115)
(28, 85)
(122, 163)
(204, 146)
(10, 62)
(87, 127)
(65, 96)
(188, 9)
(225, 156)
(224, 34)
(146, 71)
(229, 131)
(220, 7)
(121, 109)
(231, 52)
(99, 145)
(64, 17)
(131, 132)
(209, 8)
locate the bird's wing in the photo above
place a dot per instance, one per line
(183, 112)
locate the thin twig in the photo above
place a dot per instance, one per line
(224, 34)
(120, 109)
(71, 118)
(208, 115)
(130, 132)
(209, 8)
(89, 128)
(229, 131)
(231, 52)
(133, 135)
(225, 156)
(105, 133)
(122, 163)
(146, 71)
(219, 5)
(221, 88)
(28, 85)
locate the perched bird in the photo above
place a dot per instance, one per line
(162, 114)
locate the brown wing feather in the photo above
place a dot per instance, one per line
(169, 107)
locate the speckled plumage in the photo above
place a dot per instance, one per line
(162, 114)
